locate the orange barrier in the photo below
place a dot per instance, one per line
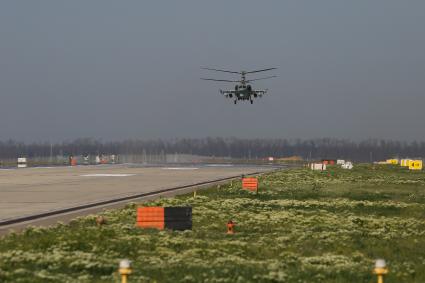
(73, 162)
(328, 161)
(250, 184)
(150, 217)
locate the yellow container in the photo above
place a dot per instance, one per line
(415, 165)
(404, 162)
(392, 161)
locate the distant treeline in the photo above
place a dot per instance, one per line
(223, 147)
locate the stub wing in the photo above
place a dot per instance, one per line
(228, 93)
(260, 92)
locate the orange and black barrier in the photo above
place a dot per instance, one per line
(174, 218)
(250, 184)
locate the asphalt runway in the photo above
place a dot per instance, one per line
(29, 191)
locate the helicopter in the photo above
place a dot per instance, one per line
(243, 90)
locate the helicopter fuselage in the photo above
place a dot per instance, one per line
(244, 92)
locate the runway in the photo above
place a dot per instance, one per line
(29, 191)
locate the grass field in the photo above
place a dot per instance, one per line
(302, 226)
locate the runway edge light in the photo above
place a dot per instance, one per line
(380, 269)
(125, 270)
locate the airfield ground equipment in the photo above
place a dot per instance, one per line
(243, 89)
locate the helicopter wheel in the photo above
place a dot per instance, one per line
(252, 102)
(235, 101)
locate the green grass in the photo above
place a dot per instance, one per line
(302, 226)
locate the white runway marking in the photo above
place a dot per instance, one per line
(107, 175)
(219, 165)
(180, 168)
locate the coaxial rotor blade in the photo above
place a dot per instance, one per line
(257, 71)
(224, 71)
(229, 81)
(265, 78)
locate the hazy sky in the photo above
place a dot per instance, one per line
(131, 69)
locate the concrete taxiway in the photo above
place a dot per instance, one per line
(29, 191)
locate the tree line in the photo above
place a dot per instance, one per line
(309, 149)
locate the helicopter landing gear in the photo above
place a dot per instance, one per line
(252, 101)
(235, 101)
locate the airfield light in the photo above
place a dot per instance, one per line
(125, 270)
(380, 269)
(230, 227)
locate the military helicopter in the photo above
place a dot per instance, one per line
(243, 90)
